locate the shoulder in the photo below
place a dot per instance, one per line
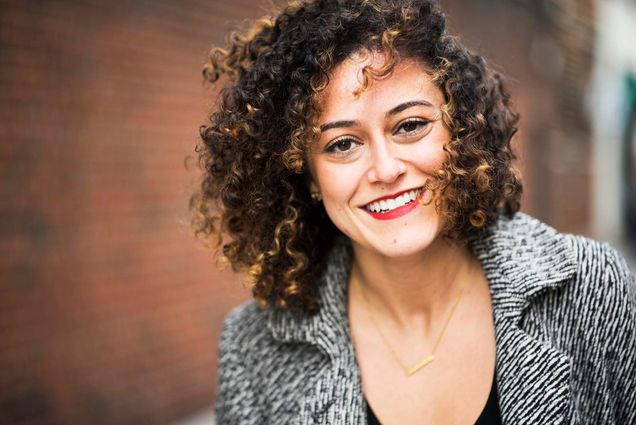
(594, 261)
(603, 270)
(604, 282)
(243, 329)
(261, 375)
(242, 333)
(250, 337)
(600, 327)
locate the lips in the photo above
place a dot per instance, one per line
(390, 202)
(392, 208)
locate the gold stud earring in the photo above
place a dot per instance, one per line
(316, 196)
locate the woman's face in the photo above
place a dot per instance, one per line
(375, 153)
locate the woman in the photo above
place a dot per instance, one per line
(359, 163)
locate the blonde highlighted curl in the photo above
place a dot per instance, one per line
(253, 151)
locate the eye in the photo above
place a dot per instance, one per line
(341, 146)
(412, 126)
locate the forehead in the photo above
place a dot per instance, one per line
(409, 79)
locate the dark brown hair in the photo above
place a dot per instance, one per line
(253, 152)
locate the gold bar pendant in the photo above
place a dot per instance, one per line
(426, 360)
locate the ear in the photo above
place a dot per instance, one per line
(310, 181)
(314, 190)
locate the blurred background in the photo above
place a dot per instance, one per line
(110, 310)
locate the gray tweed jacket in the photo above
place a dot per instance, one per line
(564, 309)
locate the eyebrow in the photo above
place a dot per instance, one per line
(406, 105)
(396, 110)
(337, 124)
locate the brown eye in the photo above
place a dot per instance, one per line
(341, 146)
(412, 126)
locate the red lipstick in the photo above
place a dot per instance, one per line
(397, 212)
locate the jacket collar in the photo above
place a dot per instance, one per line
(329, 328)
(521, 258)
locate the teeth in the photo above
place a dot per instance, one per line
(391, 204)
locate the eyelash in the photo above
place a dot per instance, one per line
(420, 121)
(331, 148)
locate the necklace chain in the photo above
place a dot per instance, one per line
(427, 358)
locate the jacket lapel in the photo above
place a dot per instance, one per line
(532, 378)
(522, 259)
(336, 395)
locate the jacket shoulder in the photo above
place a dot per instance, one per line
(601, 265)
(237, 395)
(262, 379)
(601, 298)
(604, 304)
(243, 327)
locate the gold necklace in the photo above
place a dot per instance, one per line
(426, 359)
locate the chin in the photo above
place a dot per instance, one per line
(406, 243)
(405, 249)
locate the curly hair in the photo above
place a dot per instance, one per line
(253, 151)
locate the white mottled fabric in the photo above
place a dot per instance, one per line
(564, 308)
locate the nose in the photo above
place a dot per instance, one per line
(386, 167)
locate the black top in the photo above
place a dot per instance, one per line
(489, 416)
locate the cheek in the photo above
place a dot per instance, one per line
(427, 158)
(337, 182)
(430, 156)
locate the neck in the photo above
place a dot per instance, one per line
(414, 290)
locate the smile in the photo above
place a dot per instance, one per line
(388, 209)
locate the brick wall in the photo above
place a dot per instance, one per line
(109, 309)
